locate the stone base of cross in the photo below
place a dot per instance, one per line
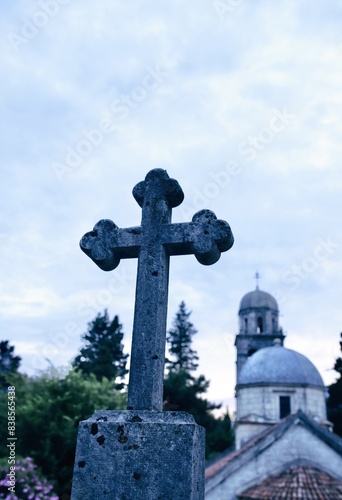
(144, 453)
(139, 455)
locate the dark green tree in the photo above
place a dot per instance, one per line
(334, 403)
(103, 353)
(9, 363)
(48, 411)
(184, 392)
(179, 339)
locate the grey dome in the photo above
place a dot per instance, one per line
(258, 299)
(278, 365)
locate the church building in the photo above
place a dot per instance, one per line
(284, 445)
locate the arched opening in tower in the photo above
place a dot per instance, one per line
(260, 325)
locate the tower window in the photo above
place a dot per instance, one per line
(284, 406)
(246, 324)
(260, 325)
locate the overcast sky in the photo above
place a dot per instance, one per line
(238, 100)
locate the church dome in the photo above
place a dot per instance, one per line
(258, 299)
(280, 366)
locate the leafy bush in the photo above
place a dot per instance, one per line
(29, 483)
(48, 411)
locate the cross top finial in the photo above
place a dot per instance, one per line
(153, 242)
(257, 277)
(158, 184)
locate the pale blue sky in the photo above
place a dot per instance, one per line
(240, 101)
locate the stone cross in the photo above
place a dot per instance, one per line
(152, 243)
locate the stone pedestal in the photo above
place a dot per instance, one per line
(139, 455)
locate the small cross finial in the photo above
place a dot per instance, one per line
(257, 277)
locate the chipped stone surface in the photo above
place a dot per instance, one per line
(139, 455)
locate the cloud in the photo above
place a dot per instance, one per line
(224, 80)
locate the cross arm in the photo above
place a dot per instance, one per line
(106, 244)
(205, 237)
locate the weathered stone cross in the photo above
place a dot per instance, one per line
(152, 243)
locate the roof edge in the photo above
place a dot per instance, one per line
(279, 384)
(267, 438)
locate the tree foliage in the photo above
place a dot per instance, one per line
(183, 357)
(48, 410)
(103, 354)
(184, 392)
(334, 402)
(9, 363)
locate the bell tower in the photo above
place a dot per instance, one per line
(258, 325)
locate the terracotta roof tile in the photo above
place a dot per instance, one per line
(300, 482)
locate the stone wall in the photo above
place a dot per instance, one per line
(260, 405)
(269, 321)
